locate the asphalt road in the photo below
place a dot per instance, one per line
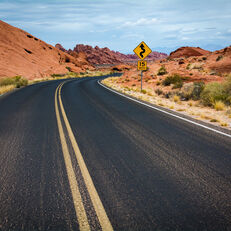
(132, 168)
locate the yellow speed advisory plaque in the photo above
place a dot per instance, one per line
(142, 65)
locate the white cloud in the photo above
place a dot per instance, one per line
(185, 38)
(141, 22)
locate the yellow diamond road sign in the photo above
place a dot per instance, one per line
(142, 50)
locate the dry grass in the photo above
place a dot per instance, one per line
(219, 105)
(190, 104)
(176, 98)
(223, 124)
(4, 89)
(214, 120)
(205, 117)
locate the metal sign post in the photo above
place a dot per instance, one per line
(141, 79)
(142, 51)
(142, 66)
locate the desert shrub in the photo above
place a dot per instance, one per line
(21, 82)
(72, 75)
(175, 79)
(192, 66)
(223, 124)
(146, 69)
(188, 66)
(162, 71)
(158, 83)
(167, 95)
(68, 68)
(177, 85)
(197, 89)
(213, 92)
(227, 86)
(219, 58)
(214, 120)
(219, 105)
(192, 90)
(176, 98)
(4, 89)
(187, 90)
(6, 81)
(143, 91)
(18, 81)
(56, 75)
(158, 91)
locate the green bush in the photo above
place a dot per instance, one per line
(227, 85)
(158, 91)
(21, 83)
(162, 71)
(197, 89)
(177, 85)
(188, 66)
(213, 92)
(175, 79)
(192, 90)
(219, 58)
(68, 68)
(57, 75)
(18, 81)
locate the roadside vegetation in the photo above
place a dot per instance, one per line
(175, 79)
(204, 101)
(9, 83)
(162, 71)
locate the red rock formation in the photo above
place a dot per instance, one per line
(97, 55)
(188, 52)
(121, 67)
(60, 47)
(220, 61)
(106, 56)
(153, 56)
(23, 54)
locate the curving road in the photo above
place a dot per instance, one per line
(76, 156)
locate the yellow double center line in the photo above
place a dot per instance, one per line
(77, 199)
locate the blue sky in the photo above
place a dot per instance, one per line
(120, 25)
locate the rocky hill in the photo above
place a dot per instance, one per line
(217, 62)
(188, 52)
(220, 61)
(23, 54)
(96, 55)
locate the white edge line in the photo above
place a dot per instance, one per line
(168, 113)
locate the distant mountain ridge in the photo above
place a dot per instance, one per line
(96, 55)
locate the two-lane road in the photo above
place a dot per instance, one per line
(76, 156)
